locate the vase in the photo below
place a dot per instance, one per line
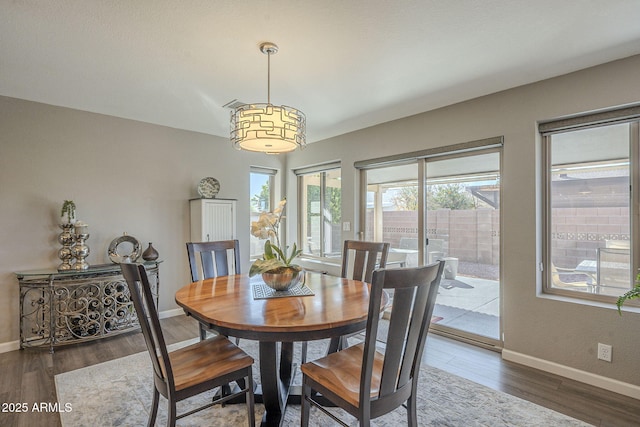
(283, 279)
(150, 254)
(66, 239)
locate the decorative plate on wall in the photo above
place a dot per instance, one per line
(208, 187)
(124, 249)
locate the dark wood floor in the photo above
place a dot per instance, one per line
(27, 376)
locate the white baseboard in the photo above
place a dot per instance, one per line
(15, 345)
(610, 384)
(170, 313)
(9, 346)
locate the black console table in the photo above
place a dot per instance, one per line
(67, 307)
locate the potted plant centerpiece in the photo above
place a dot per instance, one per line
(276, 266)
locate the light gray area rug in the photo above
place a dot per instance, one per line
(118, 393)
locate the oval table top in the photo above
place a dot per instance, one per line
(339, 306)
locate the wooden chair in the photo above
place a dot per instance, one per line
(359, 259)
(362, 380)
(191, 370)
(214, 261)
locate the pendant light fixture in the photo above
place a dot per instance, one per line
(267, 128)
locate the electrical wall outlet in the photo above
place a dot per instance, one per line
(604, 352)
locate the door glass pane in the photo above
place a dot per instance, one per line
(463, 229)
(392, 212)
(590, 203)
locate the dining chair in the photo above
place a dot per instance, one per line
(359, 259)
(215, 260)
(190, 370)
(368, 382)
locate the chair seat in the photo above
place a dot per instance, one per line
(340, 373)
(206, 360)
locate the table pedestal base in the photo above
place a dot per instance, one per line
(275, 390)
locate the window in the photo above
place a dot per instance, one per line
(261, 199)
(590, 165)
(320, 211)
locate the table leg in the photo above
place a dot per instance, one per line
(335, 344)
(286, 365)
(275, 382)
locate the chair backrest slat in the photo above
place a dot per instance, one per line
(214, 257)
(222, 263)
(140, 293)
(365, 259)
(417, 334)
(358, 265)
(415, 291)
(208, 269)
(396, 339)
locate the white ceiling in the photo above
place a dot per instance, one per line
(347, 64)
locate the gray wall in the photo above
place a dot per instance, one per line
(540, 327)
(135, 177)
(124, 176)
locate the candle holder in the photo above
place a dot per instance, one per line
(66, 239)
(80, 250)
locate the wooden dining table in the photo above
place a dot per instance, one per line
(228, 305)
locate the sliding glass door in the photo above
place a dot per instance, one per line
(445, 207)
(463, 229)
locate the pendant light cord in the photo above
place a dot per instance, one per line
(268, 77)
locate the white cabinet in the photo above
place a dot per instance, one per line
(212, 219)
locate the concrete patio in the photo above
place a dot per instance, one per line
(470, 304)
